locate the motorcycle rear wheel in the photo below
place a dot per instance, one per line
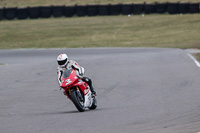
(77, 102)
(94, 104)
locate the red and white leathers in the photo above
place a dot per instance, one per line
(69, 65)
(64, 63)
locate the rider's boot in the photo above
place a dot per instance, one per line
(93, 91)
(89, 81)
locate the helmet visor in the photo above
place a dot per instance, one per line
(62, 62)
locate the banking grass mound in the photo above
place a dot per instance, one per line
(169, 31)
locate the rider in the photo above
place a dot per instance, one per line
(63, 63)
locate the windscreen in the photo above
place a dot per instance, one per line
(67, 73)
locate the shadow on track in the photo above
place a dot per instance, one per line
(69, 112)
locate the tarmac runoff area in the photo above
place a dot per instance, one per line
(139, 90)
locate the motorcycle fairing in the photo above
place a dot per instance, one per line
(70, 80)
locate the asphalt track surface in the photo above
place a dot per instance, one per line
(140, 90)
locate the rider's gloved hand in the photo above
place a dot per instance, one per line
(81, 71)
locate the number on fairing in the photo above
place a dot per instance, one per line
(68, 81)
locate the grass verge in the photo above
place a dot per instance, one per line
(171, 31)
(197, 56)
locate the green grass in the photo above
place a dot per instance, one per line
(197, 55)
(171, 31)
(25, 3)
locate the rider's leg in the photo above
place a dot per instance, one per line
(89, 82)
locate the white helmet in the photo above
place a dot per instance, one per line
(62, 60)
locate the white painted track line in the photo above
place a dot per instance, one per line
(194, 59)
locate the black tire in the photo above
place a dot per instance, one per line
(138, 8)
(104, 10)
(149, 8)
(81, 11)
(173, 8)
(161, 7)
(1, 13)
(126, 9)
(69, 11)
(194, 8)
(184, 8)
(76, 102)
(10, 13)
(93, 10)
(94, 104)
(115, 9)
(34, 12)
(22, 13)
(57, 11)
(46, 12)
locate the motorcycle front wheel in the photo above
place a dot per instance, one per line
(77, 101)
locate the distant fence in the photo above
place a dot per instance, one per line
(94, 10)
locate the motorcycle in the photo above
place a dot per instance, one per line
(77, 91)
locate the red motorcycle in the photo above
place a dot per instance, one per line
(77, 91)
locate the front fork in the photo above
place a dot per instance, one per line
(68, 92)
(79, 93)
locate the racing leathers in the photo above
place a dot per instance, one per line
(71, 64)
